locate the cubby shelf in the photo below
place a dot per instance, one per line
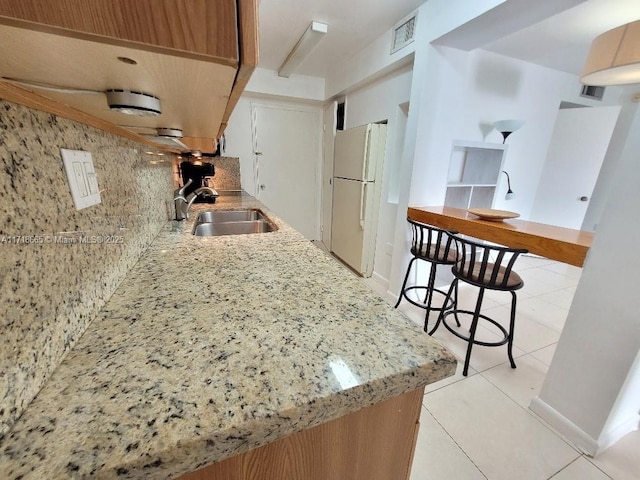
(474, 169)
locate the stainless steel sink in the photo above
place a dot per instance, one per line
(232, 222)
(216, 216)
(209, 229)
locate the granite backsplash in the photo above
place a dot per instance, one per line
(227, 173)
(52, 284)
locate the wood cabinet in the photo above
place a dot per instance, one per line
(474, 170)
(195, 56)
(375, 443)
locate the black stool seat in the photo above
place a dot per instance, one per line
(435, 246)
(486, 267)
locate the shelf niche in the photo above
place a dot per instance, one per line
(474, 171)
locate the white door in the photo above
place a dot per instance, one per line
(288, 157)
(327, 171)
(579, 143)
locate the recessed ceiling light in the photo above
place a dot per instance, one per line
(133, 103)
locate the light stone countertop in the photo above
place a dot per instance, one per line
(212, 346)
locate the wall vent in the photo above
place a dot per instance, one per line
(592, 91)
(404, 33)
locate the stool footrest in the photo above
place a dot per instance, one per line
(423, 305)
(456, 312)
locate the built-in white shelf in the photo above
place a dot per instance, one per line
(474, 169)
(458, 185)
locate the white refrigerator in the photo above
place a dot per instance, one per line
(357, 174)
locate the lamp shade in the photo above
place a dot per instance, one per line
(507, 127)
(614, 57)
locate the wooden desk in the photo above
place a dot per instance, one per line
(557, 243)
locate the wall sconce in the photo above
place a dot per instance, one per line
(509, 195)
(614, 57)
(507, 127)
(307, 42)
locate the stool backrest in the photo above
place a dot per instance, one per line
(432, 244)
(486, 265)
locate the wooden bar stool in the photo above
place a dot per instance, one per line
(433, 245)
(487, 267)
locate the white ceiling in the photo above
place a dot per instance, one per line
(353, 24)
(560, 42)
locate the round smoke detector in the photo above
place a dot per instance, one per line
(133, 103)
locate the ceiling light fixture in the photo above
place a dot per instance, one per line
(307, 42)
(123, 101)
(507, 127)
(614, 57)
(133, 103)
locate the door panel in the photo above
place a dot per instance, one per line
(287, 146)
(350, 152)
(579, 143)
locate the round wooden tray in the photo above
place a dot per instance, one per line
(492, 215)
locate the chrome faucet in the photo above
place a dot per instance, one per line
(182, 203)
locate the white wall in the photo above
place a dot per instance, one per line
(475, 89)
(592, 389)
(266, 82)
(612, 157)
(379, 101)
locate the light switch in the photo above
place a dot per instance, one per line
(92, 181)
(81, 175)
(78, 174)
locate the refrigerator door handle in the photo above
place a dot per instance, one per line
(363, 186)
(365, 159)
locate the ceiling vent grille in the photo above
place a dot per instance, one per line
(592, 91)
(404, 33)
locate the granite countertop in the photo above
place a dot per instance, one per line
(212, 346)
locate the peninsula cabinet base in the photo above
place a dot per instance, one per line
(375, 443)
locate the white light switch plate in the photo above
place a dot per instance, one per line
(83, 182)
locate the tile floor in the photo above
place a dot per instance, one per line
(480, 427)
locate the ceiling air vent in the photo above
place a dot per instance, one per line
(592, 91)
(404, 33)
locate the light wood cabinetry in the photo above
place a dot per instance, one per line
(375, 443)
(194, 28)
(195, 56)
(474, 169)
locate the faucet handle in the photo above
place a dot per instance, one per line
(180, 191)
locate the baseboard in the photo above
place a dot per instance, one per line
(564, 426)
(380, 280)
(609, 438)
(577, 436)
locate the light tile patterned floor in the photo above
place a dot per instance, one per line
(480, 427)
